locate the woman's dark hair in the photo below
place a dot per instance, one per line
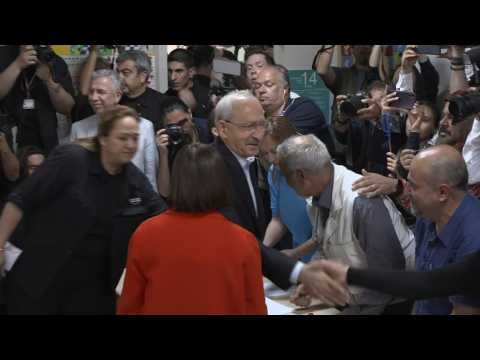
(433, 109)
(108, 120)
(170, 104)
(200, 180)
(23, 155)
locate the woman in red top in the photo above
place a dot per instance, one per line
(191, 259)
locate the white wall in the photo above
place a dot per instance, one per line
(160, 53)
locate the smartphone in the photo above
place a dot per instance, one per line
(406, 100)
(428, 49)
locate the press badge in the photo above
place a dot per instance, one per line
(28, 104)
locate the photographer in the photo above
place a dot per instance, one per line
(345, 80)
(179, 130)
(366, 133)
(423, 83)
(35, 84)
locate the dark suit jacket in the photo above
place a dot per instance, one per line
(275, 266)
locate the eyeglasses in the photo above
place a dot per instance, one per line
(250, 127)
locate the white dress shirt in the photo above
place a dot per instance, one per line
(146, 157)
(245, 164)
(405, 82)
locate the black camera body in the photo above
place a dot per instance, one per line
(44, 53)
(352, 104)
(176, 140)
(175, 133)
(461, 107)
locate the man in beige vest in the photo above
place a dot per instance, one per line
(354, 230)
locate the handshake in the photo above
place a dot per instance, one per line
(322, 279)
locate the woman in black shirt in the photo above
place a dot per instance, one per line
(83, 203)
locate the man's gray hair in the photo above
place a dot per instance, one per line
(116, 81)
(303, 152)
(140, 59)
(224, 108)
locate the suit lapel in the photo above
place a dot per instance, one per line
(242, 190)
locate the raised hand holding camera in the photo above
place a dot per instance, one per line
(409, 58)
(27, 57)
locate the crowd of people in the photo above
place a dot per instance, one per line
(180, 203)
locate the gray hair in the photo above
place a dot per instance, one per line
(303, 152)
(224, 108)
(140, 58)
(116, 81)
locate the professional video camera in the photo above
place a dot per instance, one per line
(352, 104)
(44, 53)
(461, 107)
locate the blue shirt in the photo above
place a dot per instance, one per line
(290, 208)
(460, 237)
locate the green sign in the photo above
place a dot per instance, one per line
(309, 84)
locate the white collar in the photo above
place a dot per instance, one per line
(244, 162)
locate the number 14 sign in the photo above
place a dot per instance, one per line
(309, 84)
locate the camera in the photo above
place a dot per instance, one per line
(176, 140)
(352, 104)
(44, 53)
(462, 107)
(175, 134)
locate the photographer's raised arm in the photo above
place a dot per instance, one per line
(9, 220)
(62, 101)
(163, 178)
(87, 71)
(10, 164)
(26, 58)
(322, 64)
(458, 78)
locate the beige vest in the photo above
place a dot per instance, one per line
(338, 241)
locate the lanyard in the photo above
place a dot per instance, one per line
(28, 84)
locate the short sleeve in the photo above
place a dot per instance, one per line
(273, 185)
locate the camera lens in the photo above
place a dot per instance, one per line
(462, 107)
(350, 106)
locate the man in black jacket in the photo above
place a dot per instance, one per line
(134, 68)
(240, 122)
